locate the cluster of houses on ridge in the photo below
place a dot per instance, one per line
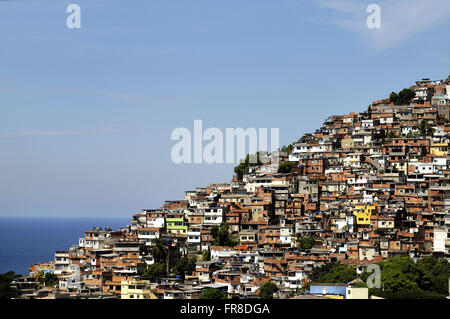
(366, 186)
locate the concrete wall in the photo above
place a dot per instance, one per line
(357, 293)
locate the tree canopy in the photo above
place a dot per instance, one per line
(185, 265)
(206, 255)
(267, 290)
(221, 235)
(159, 250)
(6, 292)
(244, 166)
(425, 129)
(305, 243)
(47, 279)
(290, 147)
(284, 167)
(333, 273)
(391, 134)
(211, 293)
(401, 277)
(287, 149)
(155, 270)
(404, 97)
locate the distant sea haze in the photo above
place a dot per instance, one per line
(26, 241)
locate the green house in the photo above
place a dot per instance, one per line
(176, 224)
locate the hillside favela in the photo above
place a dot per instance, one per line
(357, 209)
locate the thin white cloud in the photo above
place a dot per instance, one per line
(48, 91)
(344, 6)
(401, 20)
(55, 133)
(25, 89)
(445, 60)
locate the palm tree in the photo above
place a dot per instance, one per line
(159, 250)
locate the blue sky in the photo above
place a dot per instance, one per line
(86, 114)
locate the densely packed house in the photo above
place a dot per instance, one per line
(363, 187)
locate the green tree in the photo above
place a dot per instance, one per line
(47, 279)
(258, 159)
(391, 134)
(284, 167)
(448, 79)
(211, 293)
(401, 277)
(305, 137)
(51, 280)
(6, 292)
(240, 170)
(404, 97)
(305, 243)
(426, 264)
(400, 274)
(425, 129)
(273, 218)
(206, 255)
(243, 167)
(221, 235)
(159, 250)
(411, 135)
(267, 290)
(40, 277)
(435, 275)
(393, 97)
(287, 149)
(185, 265)
(155, 270)
(333, 273)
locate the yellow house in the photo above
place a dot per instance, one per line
(347, 143)
(439, 149)
(132, 289)
(363, 213)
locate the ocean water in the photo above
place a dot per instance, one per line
(26, 241)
